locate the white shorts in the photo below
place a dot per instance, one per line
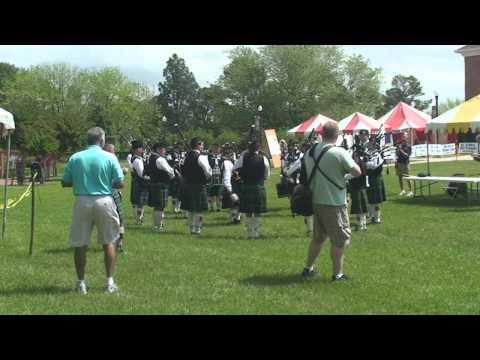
(94, 210)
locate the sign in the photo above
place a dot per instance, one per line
(273, 147)
(433, 150)
(468, 148)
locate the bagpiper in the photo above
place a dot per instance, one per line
(376, 191)
(140, 182)
(175, 160)
(231, 188)
(254, 169)
(161, 174)
(215, 187)
(196, 174)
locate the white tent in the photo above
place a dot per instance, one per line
(7, 125)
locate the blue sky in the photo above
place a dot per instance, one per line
(438, 67)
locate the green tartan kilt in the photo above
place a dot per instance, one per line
(359, 201)
(158, 196)
(215, 190)
(376, 192)
(117, 198)
(139, 194)
(253, 199)
(194, 197)
(174, 188)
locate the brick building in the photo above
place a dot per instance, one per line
(471, 54)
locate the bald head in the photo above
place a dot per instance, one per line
(330, 131)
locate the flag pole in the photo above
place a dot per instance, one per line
(4, 223)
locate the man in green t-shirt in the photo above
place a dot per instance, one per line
(329, 199)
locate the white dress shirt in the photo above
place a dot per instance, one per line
(203, 163)
(137, 165)
(227, 174)
(129, 160)
(162, 164)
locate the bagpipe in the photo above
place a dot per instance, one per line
(370, 156)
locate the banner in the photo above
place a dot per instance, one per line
(273, 147)
(433, 150)
(468, 148)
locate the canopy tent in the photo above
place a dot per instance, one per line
(8, 125)
(404, 117)
(462, 117)
(305, 128)
(358, 121)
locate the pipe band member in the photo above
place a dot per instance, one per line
(140, 182)
(161, 174)
(196, 172)
(254, 169)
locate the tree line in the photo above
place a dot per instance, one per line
(55, 104)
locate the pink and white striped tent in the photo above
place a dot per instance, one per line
(305, 128)
(358, 121)
(404, 117)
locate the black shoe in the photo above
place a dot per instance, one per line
(341, 278)
(307, 273)
(218, 210)
(236, 221)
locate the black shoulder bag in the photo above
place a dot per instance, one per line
(301, 201)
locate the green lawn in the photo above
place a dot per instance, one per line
(421, 260)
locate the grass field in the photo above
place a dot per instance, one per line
(421, 260)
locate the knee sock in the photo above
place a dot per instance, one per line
(191, 219)
(157, 217)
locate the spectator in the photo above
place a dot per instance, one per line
(20, 169)
(93, 173)
(402, 166)
(329, 199)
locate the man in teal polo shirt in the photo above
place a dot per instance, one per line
(93, 173)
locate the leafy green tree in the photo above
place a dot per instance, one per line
(405, 89)
(7, 73)
(178, 92)
(448, 105)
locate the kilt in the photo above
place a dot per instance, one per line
(253, 199)
(117, 198)
(376, 192)
(227, 202)
(139, 194)
(359, 201)
(174, 188)
(158, 195)
(194, 197)
(215, 190)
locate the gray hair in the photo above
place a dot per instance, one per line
(96, 136)
(330, 131)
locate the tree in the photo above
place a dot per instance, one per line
(178, 92)
(7, 73)
(242, 82)
(448, 105)
(361, 87)
(405, 89)
(55, 104)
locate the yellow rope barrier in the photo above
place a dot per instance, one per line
(11, 203)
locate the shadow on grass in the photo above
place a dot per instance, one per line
(440, 200)
(275, 280)
(44, 290)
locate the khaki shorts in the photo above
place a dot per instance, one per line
(89, 211)
(331, 222)
(402, 169)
